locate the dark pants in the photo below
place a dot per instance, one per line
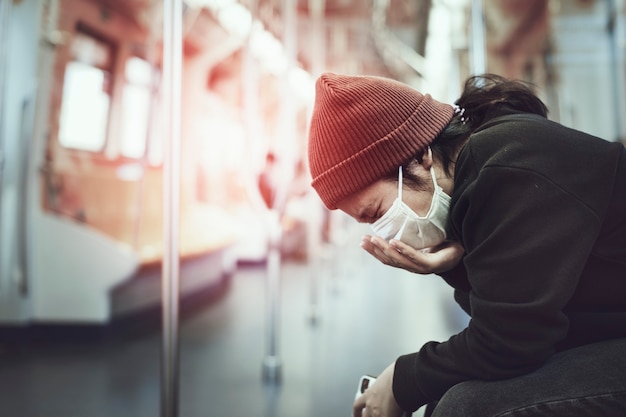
(585, 381)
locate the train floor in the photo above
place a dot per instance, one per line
(341, 315)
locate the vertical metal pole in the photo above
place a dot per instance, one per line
(272, 365)
(318, 46)
(288, 106)
(317, 10)
(5, 12)
(256, 143)
(478, 48)
(172, 66)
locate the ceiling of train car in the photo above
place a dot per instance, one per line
(351, 34)
(401, 12)
(137, 10)
(505, 18)
(514, 28)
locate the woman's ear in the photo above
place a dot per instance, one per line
(426, 161)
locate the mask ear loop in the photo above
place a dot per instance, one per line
(400, 183)
(432, 169)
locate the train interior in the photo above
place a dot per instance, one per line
(280, 310)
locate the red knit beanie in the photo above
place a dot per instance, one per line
(363, 128)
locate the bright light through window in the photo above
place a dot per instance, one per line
(85, 109)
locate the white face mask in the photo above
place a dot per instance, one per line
(400, 222)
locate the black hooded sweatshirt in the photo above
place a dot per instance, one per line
(541, 212)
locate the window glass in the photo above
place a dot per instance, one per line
(85, 108)
(86, 94)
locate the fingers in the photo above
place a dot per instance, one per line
(381, 250)
(432, 260)
(359, 406)
(400, 255)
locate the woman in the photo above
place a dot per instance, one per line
(523, 217)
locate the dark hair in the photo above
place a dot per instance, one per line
(484, 97)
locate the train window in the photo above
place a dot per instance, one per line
(136, 104)
(86, 94)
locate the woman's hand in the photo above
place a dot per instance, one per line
(378, 399)
(426, 261)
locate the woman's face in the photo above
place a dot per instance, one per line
(370, 203)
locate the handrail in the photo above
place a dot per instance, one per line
(172, 68)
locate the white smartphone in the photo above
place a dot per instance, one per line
(364, 383)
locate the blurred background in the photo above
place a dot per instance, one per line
(281, 312)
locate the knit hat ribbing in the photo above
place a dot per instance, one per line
(365, 127)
